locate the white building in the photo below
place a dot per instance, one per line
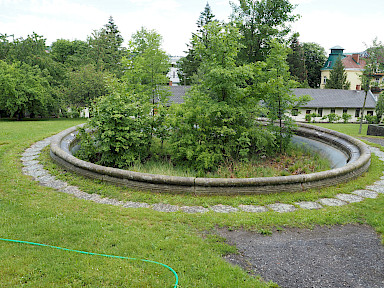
(172, 74)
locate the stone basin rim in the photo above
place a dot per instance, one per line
(200, 186)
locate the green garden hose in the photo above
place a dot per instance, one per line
(97, 254)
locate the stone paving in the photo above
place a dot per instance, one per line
(33, 168)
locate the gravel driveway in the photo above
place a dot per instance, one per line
(337, 256)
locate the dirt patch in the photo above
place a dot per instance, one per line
(336, 256)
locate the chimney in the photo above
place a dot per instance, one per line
(356, 57)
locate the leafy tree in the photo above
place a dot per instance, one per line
(146, 67)
(338, 77)
(5, 46)
(315, 58)
(259, 22)
(217, 120)
(29, 50)
(296, 61)
(84, 85)
(374, 64)
(71, 53)
(380, 107)
(278, 95)
(23, 89)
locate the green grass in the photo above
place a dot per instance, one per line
(39, 214)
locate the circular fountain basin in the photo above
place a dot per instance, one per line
(349, 157)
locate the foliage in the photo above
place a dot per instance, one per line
(278, 96)
(105, 48)
(374, 64)
(145, 70)
(308, 117)
(259, 22)
(296, 61)
(189, 65)
(73, 54)
(23, 89)
(332, 117)
(315, 58)
(217, 120)
(371, 119)
(121, 130)
(346, 117)
(380, 106)
(146, 64)
(338, 77)
(84, 85)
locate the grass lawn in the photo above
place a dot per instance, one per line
(38, 214)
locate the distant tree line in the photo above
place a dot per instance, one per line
(37, 80)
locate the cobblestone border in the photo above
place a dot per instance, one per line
(33, 168)
(358, 154)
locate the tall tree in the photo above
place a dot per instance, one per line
(315, 58)
(259, 22)
(278, 95)
(296, 61)
(338, 77)
(380, 107)
(145, 73)
(189, 64)
(217, 121)
(106, 48)
(374, 64)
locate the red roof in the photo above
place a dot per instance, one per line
(349, 63)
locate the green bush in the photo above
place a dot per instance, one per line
(371, 119)
(332, 117)
(346, 117)
(121, 135)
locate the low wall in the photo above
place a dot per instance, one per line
(358, 154)
(375, 130)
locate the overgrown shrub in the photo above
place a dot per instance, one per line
(121, 131)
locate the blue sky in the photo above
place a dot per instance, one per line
(348, 23)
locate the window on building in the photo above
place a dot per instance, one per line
(308, 112)
(325, 79)
(320, 112)
(295, 112)
(357, 113)
(370, 113)
(345, 111)
(329, 64)
(333, 111)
